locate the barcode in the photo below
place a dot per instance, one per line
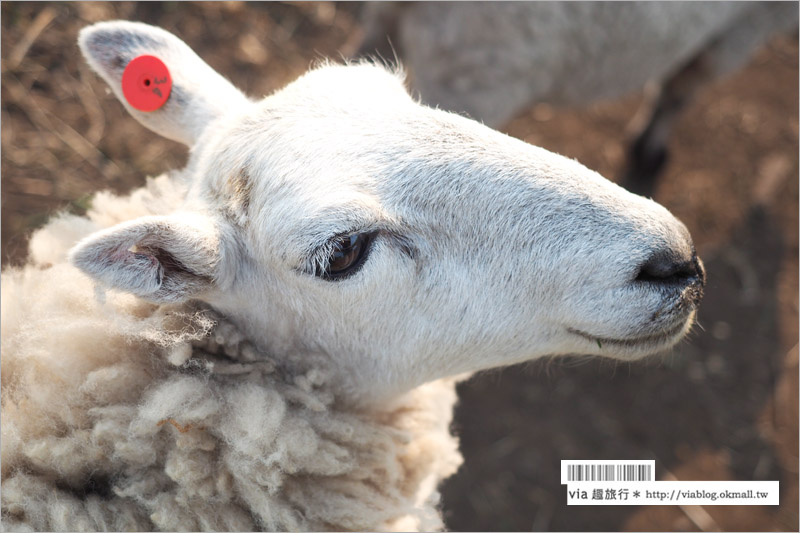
(572, 471)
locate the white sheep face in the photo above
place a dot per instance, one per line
(478, 250)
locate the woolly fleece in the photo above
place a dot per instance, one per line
(119, 414)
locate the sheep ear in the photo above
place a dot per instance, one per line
(199, 95)
(159, 258)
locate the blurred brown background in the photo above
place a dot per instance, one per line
(723, 405)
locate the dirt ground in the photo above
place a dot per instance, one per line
(722, 406)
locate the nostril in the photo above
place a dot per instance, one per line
(665, 268)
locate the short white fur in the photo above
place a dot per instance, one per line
(317, 404)
(510, 245)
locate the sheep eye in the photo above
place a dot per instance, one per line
(347, 255)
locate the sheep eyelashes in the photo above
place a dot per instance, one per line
(286, 317)
(347, 255)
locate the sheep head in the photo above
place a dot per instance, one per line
(402, 243)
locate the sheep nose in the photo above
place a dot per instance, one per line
(665, 268)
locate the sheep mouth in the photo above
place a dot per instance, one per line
(669, 336)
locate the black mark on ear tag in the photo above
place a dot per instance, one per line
(139, 79)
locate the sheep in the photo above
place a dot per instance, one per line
(492, 61)
(270, 337)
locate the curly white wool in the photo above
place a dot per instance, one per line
(132, 416)
(120, 414)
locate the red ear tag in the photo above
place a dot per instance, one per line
(146, 83)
